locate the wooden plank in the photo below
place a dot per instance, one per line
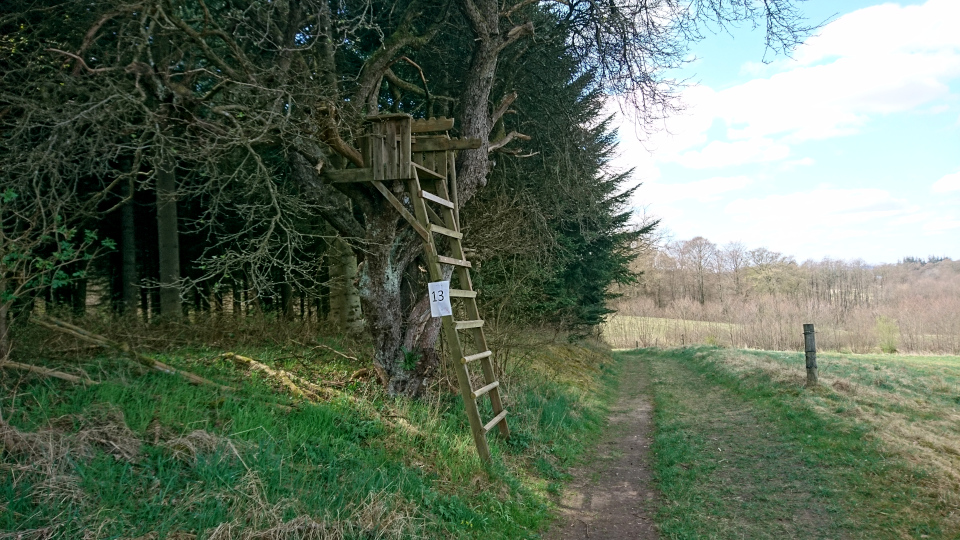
(496, 420)
(349, 175)
(426, 125)
(442, 145)
(423, 172)
(465, 325)
(460, 293)
(481, 391)
(455, 262)
(386, 117)
(445, 231)
(475, 357)
(433, 198)
(425, 234)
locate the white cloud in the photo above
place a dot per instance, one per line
(950, 182)
(707, 190)
(875, 61)
(821, 208)
(723, 154)
(942, 225)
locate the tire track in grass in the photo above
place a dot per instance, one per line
(612, 497)
(727, 472)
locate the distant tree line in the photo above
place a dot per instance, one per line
(759, 298)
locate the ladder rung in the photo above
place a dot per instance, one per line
(445, 231)
(425, 172)
(472, 357)
(496, 420)
(464, 325)
(437, 199)
(462, 293)
(455, 262)
(481, 391)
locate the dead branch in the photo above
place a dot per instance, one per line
(46, 372)
(82, 63)
(494, 146)
(298, 386)
(502, 108)
(426, 89)
(123, 348)
(334, 351)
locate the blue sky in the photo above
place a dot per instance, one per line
(849, 149)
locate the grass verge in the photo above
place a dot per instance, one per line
(145, 455)
(743, 450)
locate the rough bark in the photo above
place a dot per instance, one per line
(169, 241)
(4, 326)
(128, 247)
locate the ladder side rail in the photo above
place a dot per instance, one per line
(473, 313)
(450, 329)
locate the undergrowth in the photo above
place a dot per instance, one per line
(143, 454)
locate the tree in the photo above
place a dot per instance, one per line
(245, 103)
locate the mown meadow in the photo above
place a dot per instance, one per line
(743, 449)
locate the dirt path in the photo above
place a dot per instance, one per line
(612, 497)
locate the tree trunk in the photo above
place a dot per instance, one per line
(169, 242)
(286, 301)
(473, 165)
(351, 314)
(128, 272)
(402, 350)
(4, 326)
(336, 286)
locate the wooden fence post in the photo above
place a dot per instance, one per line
(810, 349)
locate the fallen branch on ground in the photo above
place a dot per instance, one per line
(302, 388)
(47, 372)
(125, 349)
(334, 351)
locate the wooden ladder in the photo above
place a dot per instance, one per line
(426, 164)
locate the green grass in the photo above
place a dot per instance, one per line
(147, 453)
(743, 450)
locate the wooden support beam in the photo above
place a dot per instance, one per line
(349, 175)
(425, 234)
(423, 172)
(443, 145)
(426, 125)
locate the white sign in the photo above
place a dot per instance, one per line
(439, 298)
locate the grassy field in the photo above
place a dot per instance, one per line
(743, 450)
(628, 332)
(145, 455)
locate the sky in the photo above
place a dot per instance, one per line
(849, 149)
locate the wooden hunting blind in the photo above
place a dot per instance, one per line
(420, 155)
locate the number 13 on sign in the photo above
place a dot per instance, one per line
(440, 298)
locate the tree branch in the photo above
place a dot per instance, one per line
(502, 108)
(494, 146)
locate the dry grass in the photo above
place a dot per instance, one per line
(48, 455)
(628, 332)
(913, 411)
(381, 515)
